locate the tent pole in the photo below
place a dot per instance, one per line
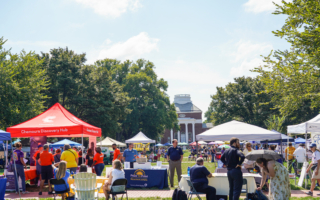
(6, 156)
(305, 137)
(100, 142)
(15, 168)
(82, 149)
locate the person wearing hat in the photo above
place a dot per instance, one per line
(315, 166)
(36, 158)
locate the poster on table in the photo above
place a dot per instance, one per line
(315, 138)
(34, 142)
(139, 178)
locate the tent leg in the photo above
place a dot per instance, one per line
(305, 137)
(82, 149)
(6, 158)
(100, 142)
(15, 169)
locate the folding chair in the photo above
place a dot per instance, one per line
(119, 186)
(244, 182)
(193, 191)
(59, 182)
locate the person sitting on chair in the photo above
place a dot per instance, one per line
(61, 173)
(116, 173)
(198, 177)
(83, 168)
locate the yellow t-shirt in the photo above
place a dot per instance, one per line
(70, 157)
(291, 151)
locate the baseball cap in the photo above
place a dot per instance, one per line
(312, 145)
(40, 145)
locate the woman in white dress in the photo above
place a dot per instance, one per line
(116, 173)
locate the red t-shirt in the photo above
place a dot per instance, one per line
(98, 157)
(116, 152)
(46, 158)
(36, 153)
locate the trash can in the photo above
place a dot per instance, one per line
(3, 182)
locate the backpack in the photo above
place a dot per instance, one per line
(258, 195)
(179, 195)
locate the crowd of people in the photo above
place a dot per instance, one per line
(63, 163)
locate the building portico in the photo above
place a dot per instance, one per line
(190, 121)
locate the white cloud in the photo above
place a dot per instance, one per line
(110, 8)
(258, 6)
(134, 47)
(247, 56)
(245, 67)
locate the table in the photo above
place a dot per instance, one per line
(221, 183)
(30, 174)
(146, 178)
(99, 179)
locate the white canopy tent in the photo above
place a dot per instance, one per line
(107, 142)
(241, 130)
(140, 138)
(311, 126)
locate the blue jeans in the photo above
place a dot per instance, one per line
(20, 173)
(99, 168)
(235, 183)
(73, 170)
(212, 157)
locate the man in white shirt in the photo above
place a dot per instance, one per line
(300, 155)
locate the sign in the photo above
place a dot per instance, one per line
(140, 146)
(182, 115)
(34, 142)
(139, 175)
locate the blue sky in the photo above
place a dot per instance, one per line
(195, 45)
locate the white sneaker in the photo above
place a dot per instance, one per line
(25, 192)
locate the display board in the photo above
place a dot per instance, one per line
(140, 146)
(303, 173)
(34, 142)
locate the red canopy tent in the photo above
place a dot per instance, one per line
(55, 122)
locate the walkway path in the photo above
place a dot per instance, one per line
(135, 194)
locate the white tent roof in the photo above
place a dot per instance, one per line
(140, 138)
(107, 142)
(313, 125)
(241, 130)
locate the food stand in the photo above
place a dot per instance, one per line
(143, 175)
(54, 122)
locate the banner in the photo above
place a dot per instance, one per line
(34, 142)
(148, 178)
(140, 146)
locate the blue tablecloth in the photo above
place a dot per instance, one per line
(146, 178)
(3, 183)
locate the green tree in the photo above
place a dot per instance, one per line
(275, 123)
(22, 81)
(151, 111)
(242, 101)
(293, 75)
(87, 91)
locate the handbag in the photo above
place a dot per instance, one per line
(314, 166)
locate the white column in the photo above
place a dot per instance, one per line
(193, 132)
(179, 135)
(171, 136)
(187, 132)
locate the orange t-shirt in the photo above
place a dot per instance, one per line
(98, 157)
(46, 158)
(36, 153)
(116, 152)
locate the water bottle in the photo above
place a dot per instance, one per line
(188, 171)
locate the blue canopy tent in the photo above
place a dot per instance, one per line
(6, 136)
(284, 138)
(167, 144)
(63, 142)
(299, 140)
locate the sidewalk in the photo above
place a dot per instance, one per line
(137, 193)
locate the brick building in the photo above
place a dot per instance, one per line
(190, 121)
